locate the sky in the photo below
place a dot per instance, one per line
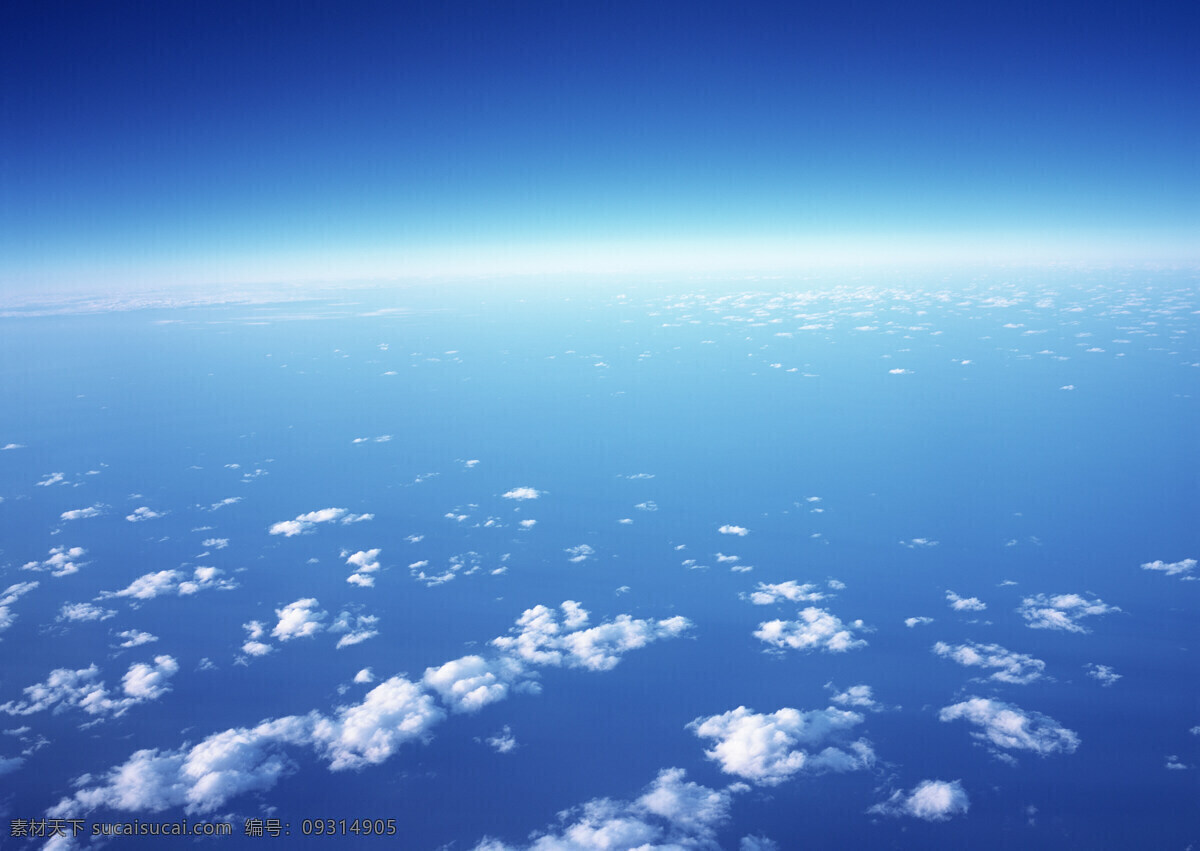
(156, 145)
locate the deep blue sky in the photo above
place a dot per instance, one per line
(148, 144)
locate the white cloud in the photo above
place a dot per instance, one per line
(740, 531)
(299, 619)
(472, 682)
(231, 500)
(1174, 568)
(504, 741)
(1061, 611)
(394, 712)
(648, 505)
(364, 562)
(917, 621)
(52, 479)
(965, 604)
(152, 585)
(216, 543)
(364, 676)
(673, 814)
(859, 696)
(1016, 668)
(765, 594)
(1008, 726)
(83, 612)
(135, 638)
(522, 493)
(899, 371)
(63, 561)
(757, 843)
(579, 553)
(355, 629)
(83, 513)
(817, 629)
(932, 800)
(9, 446)
(305, 522)
(540, 638)
(83, 689)
(1106, 675)
(528, 524)
(143, 513)
(919, 543)
(769, 749)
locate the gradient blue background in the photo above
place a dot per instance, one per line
(155, 144)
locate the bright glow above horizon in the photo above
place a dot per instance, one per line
(187, 145)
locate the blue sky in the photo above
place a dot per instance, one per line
(153, 144)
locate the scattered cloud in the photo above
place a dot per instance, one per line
(522, 493)
(472, 682)
(135, 638)
(765, 594)
(965, 604)
(83, 689)
(299, 619)
(504, 741)
(354, 628)
(143, 513)
(768, 749)
(215, 543)
(365, 563)
(1016, 668)
(932, 800)
(917, 621)
(52, 479)
(62, 561)
(1008, 726)
(168, 582)
(740, 531)
(919, 543)
(673, 814)
(1061, 611)
(817, 629)
(83, 513)
(541, 637)
(579, 553)
(1106, 675)
(232, 500)
(305, 522)
(1174, 568)
(859, 697)
(83, 612)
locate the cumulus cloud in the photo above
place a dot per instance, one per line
(579, 553)
(740, 531)
(1008, 726)
(52, 479)
(299, 619)
(860, 697)
(9, 596)
(305, 522)
(472, 682)
(215, 543)
(83, 513)
(83, 689)
(254, 645)
(932, 800)
(355, 629)
(673, 814)
(504, 741)
(765, 594)
(522, 493)
(231, 500)
(135, 638)
(917, 621)
(172, 582)
(768, 749)
(965, 604)
(1106, 675)
(543, 637)
(1174, 568)
(143, 513)
(1061, 611)
(1017, 668)
(62, 561)
(204, 777)
(83, 612)
(817, 629)
(365, 563)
